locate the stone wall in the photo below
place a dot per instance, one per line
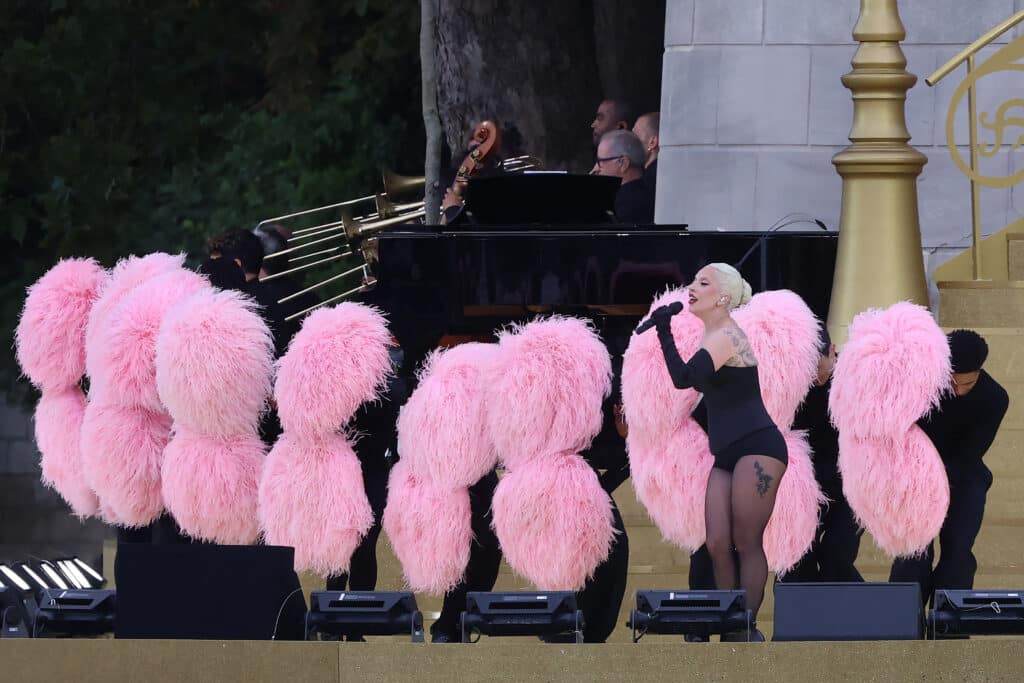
(753, 111)
(33, 519)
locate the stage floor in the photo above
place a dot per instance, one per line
(511, 659)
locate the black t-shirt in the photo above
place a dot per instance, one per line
(634, 204)
(963, 427)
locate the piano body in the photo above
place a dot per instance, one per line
(467, 283)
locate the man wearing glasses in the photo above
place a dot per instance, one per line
(621, 154)
(962, 429)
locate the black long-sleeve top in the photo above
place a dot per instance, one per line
(963, 427)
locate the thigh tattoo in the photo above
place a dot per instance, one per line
(764, 480)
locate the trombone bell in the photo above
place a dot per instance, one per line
(396, 186)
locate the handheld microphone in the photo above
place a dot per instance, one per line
(673, 308)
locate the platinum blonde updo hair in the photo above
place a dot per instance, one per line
(732, 283)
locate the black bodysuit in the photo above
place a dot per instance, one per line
(738, 424)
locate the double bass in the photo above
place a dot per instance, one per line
(483, 147)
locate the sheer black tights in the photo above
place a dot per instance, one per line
(736, 512)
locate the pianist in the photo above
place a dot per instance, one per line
(621, 155)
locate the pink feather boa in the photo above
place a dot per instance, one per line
(50, 347)
(311, 494)
(893, 370)
(546, 388)
(668, 451)
(442, 436)
(214, 368)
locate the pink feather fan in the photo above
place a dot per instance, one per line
(214, 369)
(893, 369)
(545, 391)
(784, 335)
(126, 427)
(668, 451)
(311, 494)
(444, 445)
(50, 347)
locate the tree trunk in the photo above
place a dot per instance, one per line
(528, 65)
(431, 121)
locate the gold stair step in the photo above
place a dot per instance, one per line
(977, 304)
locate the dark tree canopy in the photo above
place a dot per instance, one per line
(130, 127)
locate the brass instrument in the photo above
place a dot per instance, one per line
(356, 234)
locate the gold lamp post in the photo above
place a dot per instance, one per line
(880, 260)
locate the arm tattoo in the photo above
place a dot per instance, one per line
(742, 356)
(764, 480)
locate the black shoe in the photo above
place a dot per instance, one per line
(756, 636)
(695, 638)
(442, 638)
(355, 639)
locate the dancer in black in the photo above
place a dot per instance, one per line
(962, 428)
(750, 452)
(837, 539)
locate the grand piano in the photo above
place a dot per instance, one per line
(469, 280)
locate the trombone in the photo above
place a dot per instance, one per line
(356, 233)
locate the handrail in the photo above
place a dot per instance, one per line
(973, 48)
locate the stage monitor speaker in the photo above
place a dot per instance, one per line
(969, 612)
(848, 611)
(364, 613)
(522, 613)
(689, 613)
(201, 591)
(71, 612)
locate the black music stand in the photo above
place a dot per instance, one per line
(542, 198)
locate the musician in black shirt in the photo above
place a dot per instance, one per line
(621, 155)
(962, 429)
(646, 129)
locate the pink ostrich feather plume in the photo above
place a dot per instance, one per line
(894, 369)
(125, 367)
(211, 485)
(554, 521)
(783, 333)
(50, 337)
(126, 275)
(337, 361)
(429, 528)
(311, 498)
(215, 364)
(545, 389)
(442, 429)
(652, 407)
(794, 520)
(50, 347)
(122, 449)
(214, 370)
(671, 478)
(58, 424)
(897, 488)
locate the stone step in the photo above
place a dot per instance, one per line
(976, 304)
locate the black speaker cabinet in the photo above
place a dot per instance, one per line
(848, 611)
(202, 591)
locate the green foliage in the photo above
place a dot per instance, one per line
(130, 127)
